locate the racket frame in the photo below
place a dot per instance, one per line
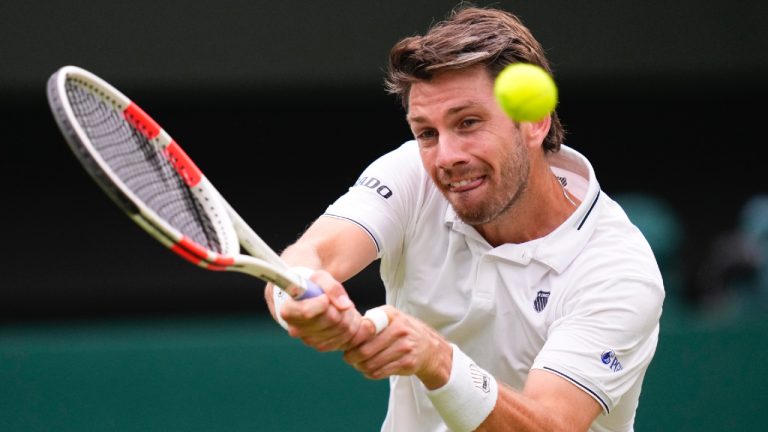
(231, 229)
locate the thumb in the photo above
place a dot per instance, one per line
(333, 289)
(372, 323)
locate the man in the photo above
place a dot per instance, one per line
(519, 295)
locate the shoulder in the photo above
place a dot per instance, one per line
(616, 240)
(605, 242)
(404, 156)
(617, 261)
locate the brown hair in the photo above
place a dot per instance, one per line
(469, 36)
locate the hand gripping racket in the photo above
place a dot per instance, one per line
(149, 176)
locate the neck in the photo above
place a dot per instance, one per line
(543, 206)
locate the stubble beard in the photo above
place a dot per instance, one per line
(513, 182)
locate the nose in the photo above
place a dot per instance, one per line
(451, 151)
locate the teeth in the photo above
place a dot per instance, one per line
(462, 183)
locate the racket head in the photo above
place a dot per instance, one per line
(143, 170)
(150, 177)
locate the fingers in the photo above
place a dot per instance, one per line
(326, 322)
(333, 289)
(381, 360)
(296, 312)
(407, 346)
(380, 344)
(374, 322)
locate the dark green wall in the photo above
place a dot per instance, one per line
(245, 374)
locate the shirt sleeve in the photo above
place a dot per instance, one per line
(606, 338)
(384, 197)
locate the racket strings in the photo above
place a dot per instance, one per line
(141, 166)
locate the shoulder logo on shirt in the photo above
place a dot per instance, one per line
(563, 180)
(608, 357)
(374, 184)
(541, 300)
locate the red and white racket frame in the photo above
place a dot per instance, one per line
(230, 228)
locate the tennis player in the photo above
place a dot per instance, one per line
(519, 294)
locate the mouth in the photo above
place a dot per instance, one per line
(465, 184)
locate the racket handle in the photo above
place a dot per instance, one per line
(313, 290)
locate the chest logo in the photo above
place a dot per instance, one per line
(540, 302)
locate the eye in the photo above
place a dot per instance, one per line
(468, 122)
(426, 136)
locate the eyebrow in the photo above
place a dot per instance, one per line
(451, 111)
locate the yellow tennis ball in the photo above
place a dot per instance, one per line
(526, 92)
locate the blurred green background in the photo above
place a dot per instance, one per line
(245, 374)
(236, 374)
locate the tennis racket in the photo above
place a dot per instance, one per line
(150, 177)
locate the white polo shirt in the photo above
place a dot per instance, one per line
(584, 302)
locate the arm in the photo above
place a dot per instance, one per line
(337, 246)
(410, 347)
(340, 249)
(547, 403)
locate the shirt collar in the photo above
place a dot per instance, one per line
(560, 247)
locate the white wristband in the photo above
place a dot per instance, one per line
(279, 297)
(468, 397)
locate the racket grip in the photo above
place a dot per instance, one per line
(313, 290)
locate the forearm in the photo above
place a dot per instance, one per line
(472, 399)
(515, 411)
(302, 255)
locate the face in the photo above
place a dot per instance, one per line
(473, 152)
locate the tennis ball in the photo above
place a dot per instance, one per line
(526, 92)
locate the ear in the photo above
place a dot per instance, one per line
(535, 132)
